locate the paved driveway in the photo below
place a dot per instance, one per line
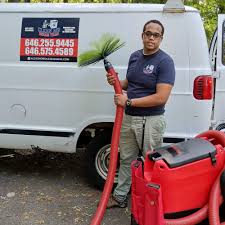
(51, 189)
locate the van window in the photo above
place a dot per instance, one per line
(223, 44)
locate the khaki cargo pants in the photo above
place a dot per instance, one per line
(131, 142)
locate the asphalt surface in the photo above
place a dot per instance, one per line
(50, 189)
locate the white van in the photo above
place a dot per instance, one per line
(48, 102)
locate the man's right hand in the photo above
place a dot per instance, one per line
(110, 79)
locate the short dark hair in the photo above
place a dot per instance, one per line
(154, 21)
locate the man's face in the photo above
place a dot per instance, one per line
(152, 37)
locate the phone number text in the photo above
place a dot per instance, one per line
(44, 51)
(49, 42)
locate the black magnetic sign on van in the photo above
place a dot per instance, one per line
(49, 39)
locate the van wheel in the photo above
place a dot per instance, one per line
(98, 153)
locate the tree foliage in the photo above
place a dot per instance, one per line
(209, 10)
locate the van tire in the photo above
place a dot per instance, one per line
(98, 154)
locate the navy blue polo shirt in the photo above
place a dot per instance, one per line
(143, 74)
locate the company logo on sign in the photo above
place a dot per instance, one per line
(49, 28)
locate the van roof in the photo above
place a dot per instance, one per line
(85, 7)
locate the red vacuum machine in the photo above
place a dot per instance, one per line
(179, 179)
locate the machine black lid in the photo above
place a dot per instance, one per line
(185, 152)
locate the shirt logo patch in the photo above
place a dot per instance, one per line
(148, 69)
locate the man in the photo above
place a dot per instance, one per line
(149, 81)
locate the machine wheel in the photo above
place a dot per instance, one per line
(98, 153)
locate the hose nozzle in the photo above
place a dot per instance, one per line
(107, 65)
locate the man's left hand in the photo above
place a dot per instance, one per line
(120, 99)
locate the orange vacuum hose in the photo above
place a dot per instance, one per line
(96, 220)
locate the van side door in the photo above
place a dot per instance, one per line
(218, 60)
